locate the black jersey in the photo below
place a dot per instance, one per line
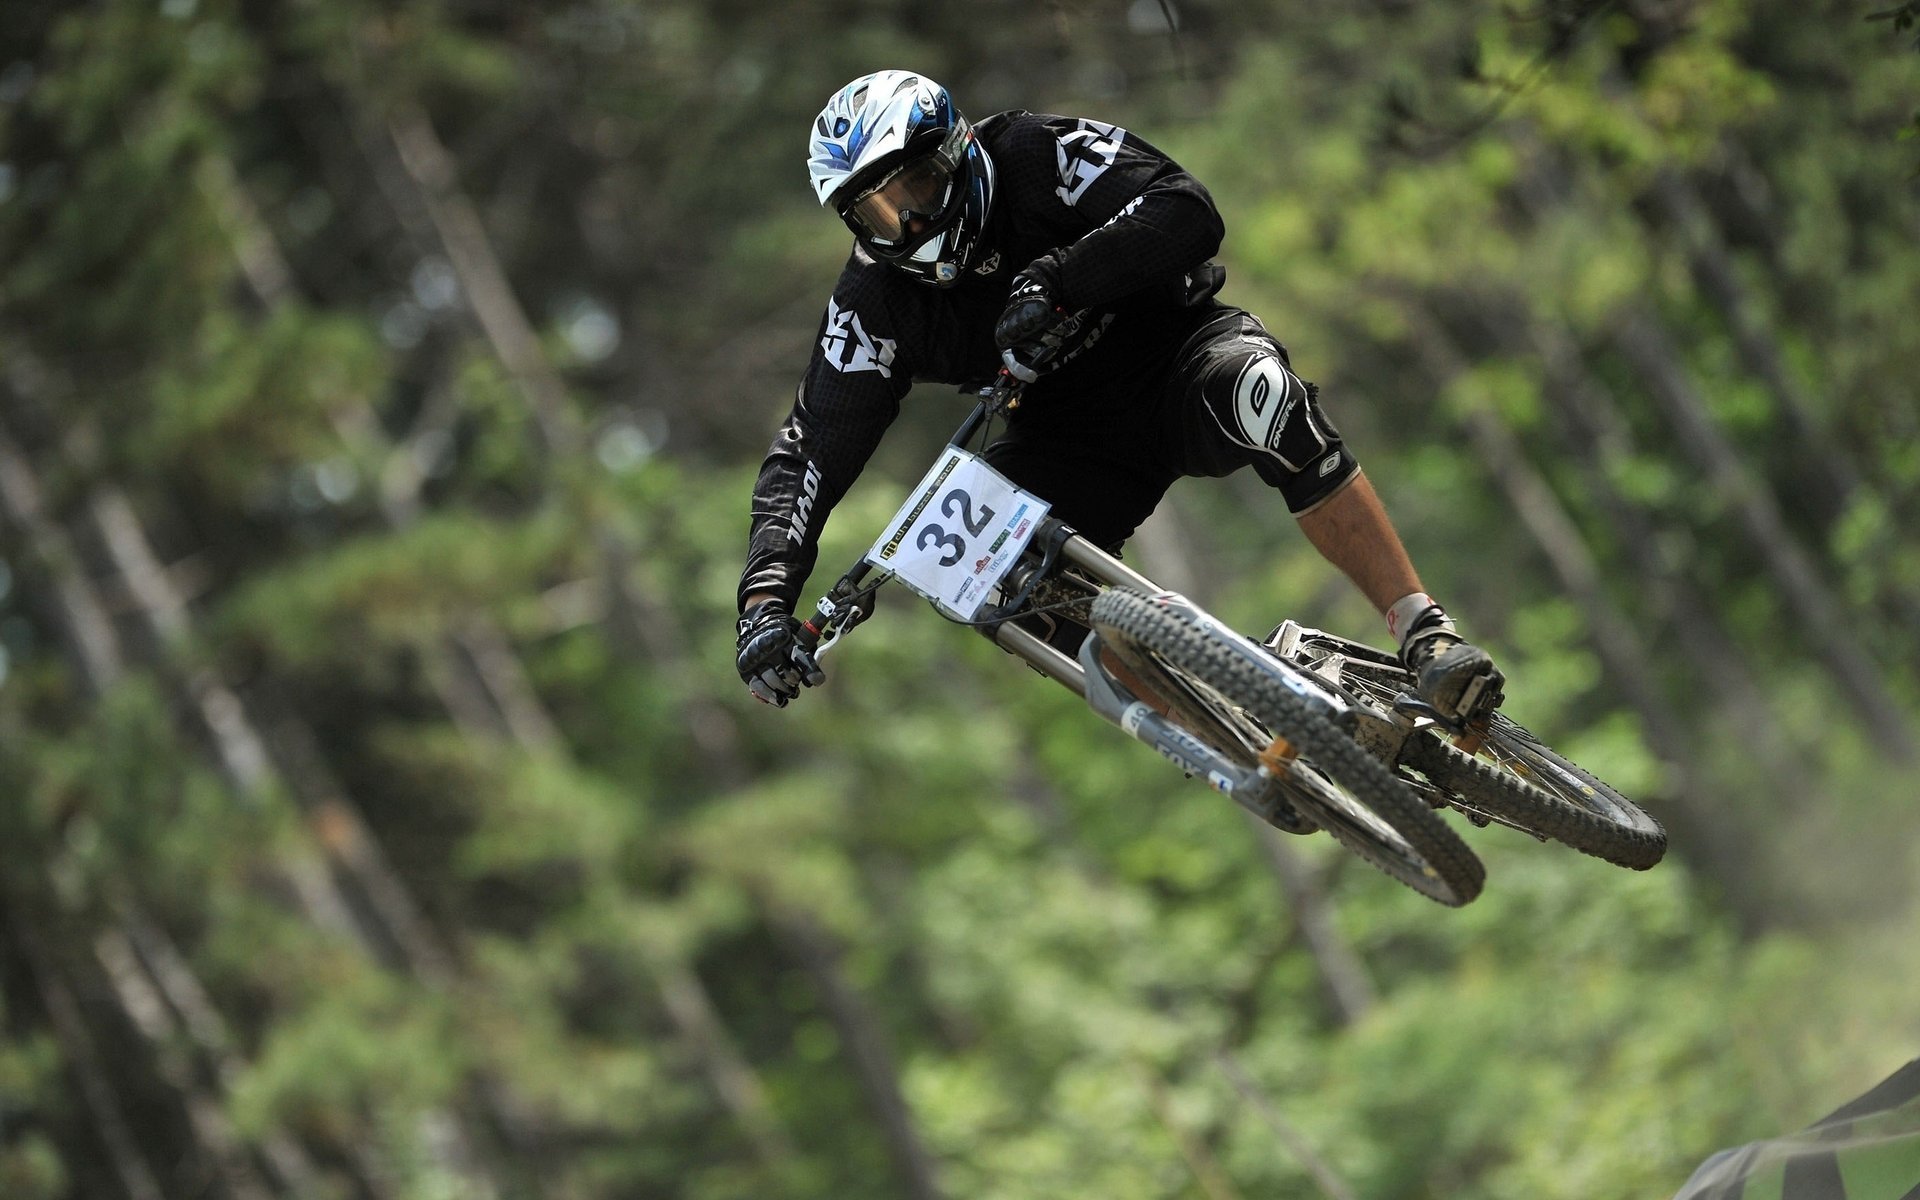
(1132, 233)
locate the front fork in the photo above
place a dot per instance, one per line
(1256, 789)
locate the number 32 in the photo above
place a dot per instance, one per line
(934, 535)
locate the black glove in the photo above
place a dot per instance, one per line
(771, 662)
(1027, 325)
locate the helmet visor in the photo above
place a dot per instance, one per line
(908, 201)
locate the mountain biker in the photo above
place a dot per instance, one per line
(1076, 256)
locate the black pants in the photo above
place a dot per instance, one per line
(1228, 399)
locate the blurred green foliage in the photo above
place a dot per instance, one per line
(383, 819)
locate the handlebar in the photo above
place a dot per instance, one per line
(848, 604)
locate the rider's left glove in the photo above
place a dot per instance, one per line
(771, 662)
(1028, 328)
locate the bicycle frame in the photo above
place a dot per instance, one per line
(1326, 656)
(1056, 547)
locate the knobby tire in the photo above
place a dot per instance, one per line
(1433, 862)
(1554, 799)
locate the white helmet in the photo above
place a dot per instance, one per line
(901, 166)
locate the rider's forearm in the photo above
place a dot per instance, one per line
(836, 422)
(1352, 531)
(777, 559)
(1166, 230)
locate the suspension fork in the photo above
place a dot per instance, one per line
(1256, 789)
(1056, 545)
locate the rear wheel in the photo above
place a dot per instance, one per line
(1235, 695)
(1518, 780)
(1521, 781)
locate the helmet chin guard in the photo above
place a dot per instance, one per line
(902, 167)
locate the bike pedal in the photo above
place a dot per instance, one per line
(1470, 695)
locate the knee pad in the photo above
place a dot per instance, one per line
(1274, 411)
(1275, 420)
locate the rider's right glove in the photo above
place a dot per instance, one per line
(1028, 327)
(771, 662)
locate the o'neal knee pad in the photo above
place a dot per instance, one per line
(1276, 418)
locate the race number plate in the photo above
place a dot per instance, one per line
(958, 533)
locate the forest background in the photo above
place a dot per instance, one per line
(380, 389)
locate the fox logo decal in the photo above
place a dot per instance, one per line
(1084, 156)
(848, 347)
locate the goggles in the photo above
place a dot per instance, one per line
(913, 200)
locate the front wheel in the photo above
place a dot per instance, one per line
(1237, 697)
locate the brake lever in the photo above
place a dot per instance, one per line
(841, 615)
(1004, 395)
(828, 641)
(1011, 382)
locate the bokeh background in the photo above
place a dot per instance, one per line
(380, 389)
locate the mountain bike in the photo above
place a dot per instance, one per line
(1307, 730)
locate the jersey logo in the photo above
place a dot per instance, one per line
(848, 347)
(803, 505)
(990, 266)
(1084, 156)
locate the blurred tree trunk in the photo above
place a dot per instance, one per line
(220, 1144)
(398, 930)
(187, 1017)
(1208, 1174)
(191, 1018)
(1832, 478)
(643, 627)
(77, 607)
(1330, 1181)
(487, 691)
(864, 1039)
(386, 923)
(1343, 974)
(1823, 620)
(78, 1051)
(456, 222)
(479, 676)
(1594, 435)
